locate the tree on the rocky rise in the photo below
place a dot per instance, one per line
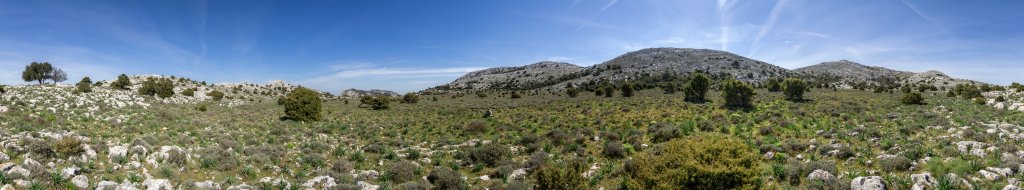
(794, 89)
(628, 90)
(163, 88)
(84, 86)
(410, 98)
(121, 83)
(696, 88)
(737, 94)
(3, 89)
(301, 104)
(58, 76)
(37, 71)
(967, 91)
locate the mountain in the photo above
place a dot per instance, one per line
(636, 65)
(356, 93)
(846, 74)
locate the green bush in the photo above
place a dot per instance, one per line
(699, 162)
(515, 95)
(979, 101)
(215, 95)
(737, 94)
(561, 178)
(894, 164)
(628, 89)
(967, 91)
(376, 102)
(794, 89)
(3, 89)
(301, 104)
(402, 172)
(410, 98)
(189, 92)
(84, 86)
(912, 98)
(774, 85)
(38, 71)
(162, 88)
(697, 87)
(475, 127)
(614, 149)
(608, 91)
(121, 83)
(572, 92)
(444, 178)
(68, 146)
(488, 154)
(1000, 99)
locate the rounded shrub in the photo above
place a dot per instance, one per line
(488, 154)
(774, 85)
(163, 88)
(699, 162)
(121, 83)
(410, 98)
(215, 95)
(912, 98)
(376, 102)
(301, 104)
(572, 92)
(737, 94)
(402, 172)
(561, 178)
(979, 101)
(475, 127)
(189, 92)
(794, 89)
(628, 90)
(697, 87)
(444, 178)
(84, 86)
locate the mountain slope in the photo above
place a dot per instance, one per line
(531, 76)
(356, 93)
(654, 61)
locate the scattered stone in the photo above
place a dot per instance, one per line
(923, 180)
(207, 185)
(80, 181)
(1011, 187)
(367, 186)
(517, 173)
(157, 184)
(821, 175)
(867, 183)
(324, 182)
(243, 186)
(106, 185)
(118, 152)
(991, 176)
(1001, 171)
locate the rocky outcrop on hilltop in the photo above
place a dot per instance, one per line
(356, 93)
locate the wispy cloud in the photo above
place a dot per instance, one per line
(767, 26)
(603, 8)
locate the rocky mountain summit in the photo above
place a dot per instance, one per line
(356, 93)
(535, 75)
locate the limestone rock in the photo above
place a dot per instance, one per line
(867, 183)
(821, 175)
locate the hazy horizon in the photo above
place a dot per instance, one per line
(412, 45)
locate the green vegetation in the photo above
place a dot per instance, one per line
(794, 89)
(410, 98)
(708, 161)
(697, 87)
(38, 71)
(380, 102)
(737, 94)
(628, 89)
(301, 104)
(163, 88)
(84, 86)
(215, 95)
(774, 85)
(912, 98)
(572, 92)
(189, 92)
(121, 83)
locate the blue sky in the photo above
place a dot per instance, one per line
(411, 45)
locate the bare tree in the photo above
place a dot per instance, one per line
(58, 76)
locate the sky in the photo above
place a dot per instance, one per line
(410, 45)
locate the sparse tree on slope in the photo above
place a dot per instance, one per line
(84, 86)
(737, 94)
(121, 83)
(37, 71)
(628, 90)
(301, 104)
(410, 98)
(58, 76)
(696, 88)
(794, 89)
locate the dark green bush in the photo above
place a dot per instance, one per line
(162, 88)
(561, 178)
(121, 83)
(402, 171)
(488, 154)
(912, 98)
(1000, 99)
(84, 86)
(3, 89)
(446, 179)
(708, 161)
(614, 149)
(628, 89)
(737, 94)
(215, 95)
(572, 92)
(608, 91)
(301, 104)
(794, 89)
(895, 163)
(774, 84)
(515, 95)
(189, 92)
(410, 98)
(697, 87)
(376, 102)
(979, 101)
(68, 146)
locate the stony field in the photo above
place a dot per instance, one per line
(53, 138)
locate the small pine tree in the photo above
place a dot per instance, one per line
(84, 86)
(697, 88)
(794, 89)
(121, 83)
(628, 90)
(912, 98)
(572, 92)
(301, 104)
(737, 94)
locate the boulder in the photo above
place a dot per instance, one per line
(207, 185)
(821, 175)
(157, 184)
(105, 185)
(320, 182)
(1001, 171)
(367, 186)
(118, 152)
(867, 183)
(923, 180)
(991, 176)
(243, 186)
(80, 181)
(1011, 187)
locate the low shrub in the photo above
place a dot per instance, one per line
(402, 172)
(84, 86)
(444, 178)
(697, 87)
(189, 92)
(488, 154)
(628, 90)
(121, 83)
(737, 94)
(895, 163)
(794, 89)
(912, 98)
(613, 149)
(68, 146)
(475, 127)
(572, 92)
(561, 178)
(215, 95)
(410, 98)
(699, 162)
(375, 102)
(163, 88)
